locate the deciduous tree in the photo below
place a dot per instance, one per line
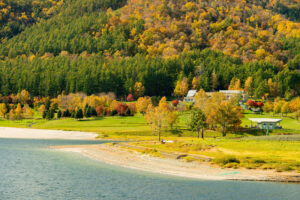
(3, 110)
(181, 88)
(138, 89)
(142, 104)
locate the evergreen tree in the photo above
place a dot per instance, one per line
(59, 114)
(79, 114)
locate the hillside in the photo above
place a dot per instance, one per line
(100, 45)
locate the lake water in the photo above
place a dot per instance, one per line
(31, 171)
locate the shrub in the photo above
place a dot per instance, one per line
(121, 108)
(189, 159)
(226, 160)
(175, 103)
(107, 112)
(127, 113)
(113, 112)
(100, 110)
(130, 97)
(132, 108)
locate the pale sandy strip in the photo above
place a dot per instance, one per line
(134, 160)
(24, 133)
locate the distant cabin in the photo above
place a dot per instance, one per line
(228, 94)
(265, 123)
(190, 96)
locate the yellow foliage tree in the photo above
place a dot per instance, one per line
(201, 99)
(160, 117)
(235, 84)
(181, 88)
(138, 90)
(143, 104)
(3, 110)
(248, 88)
(42, 109)
(18, 112)
(28, 111)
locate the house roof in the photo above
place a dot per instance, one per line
(265, 120)
(191, 93)
(232, 91)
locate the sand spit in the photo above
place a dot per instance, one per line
(26, 133)
(115, 155)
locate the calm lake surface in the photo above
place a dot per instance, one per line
(29, 170)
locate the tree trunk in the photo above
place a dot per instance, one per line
(223, 131)
(158, 134)
(202, 134)
(159, 127)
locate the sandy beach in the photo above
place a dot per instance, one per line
(131, 159)
(23, 133)
(124, 157)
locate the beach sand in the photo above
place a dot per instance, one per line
(124, 157)
(119, 156)
(24, 133)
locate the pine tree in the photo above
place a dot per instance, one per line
(59, 114)
(79, 114)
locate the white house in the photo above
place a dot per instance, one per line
(228, 94)
(190, 96)
(266, 123)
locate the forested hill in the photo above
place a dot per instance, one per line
(93, 46)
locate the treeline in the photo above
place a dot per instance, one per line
(94, 73)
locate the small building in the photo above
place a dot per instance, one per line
(190, 96)
(233, 93)
(227, 93)
(265, 123)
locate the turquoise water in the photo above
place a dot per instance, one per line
(29, 170)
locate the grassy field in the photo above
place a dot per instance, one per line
(280, 151)
(236, 153)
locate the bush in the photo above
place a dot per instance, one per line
(121, 108)
(130, 97)
(175, 103)
(132, 108)
(226, 160)
(100, 110)
(127, 113)
(113, 112)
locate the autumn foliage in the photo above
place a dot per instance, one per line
(130, 98)
(254, 104)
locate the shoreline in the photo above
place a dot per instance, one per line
(131, 159)
(119, 155)
(28, 133)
